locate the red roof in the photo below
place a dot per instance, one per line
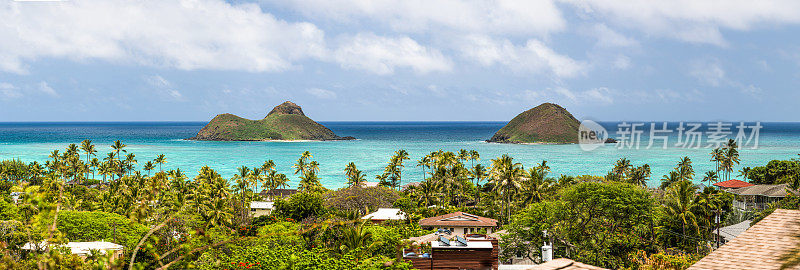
(460, 219)
(733, 183)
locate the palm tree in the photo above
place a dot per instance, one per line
(745, 173)
(731, 157)
(241, 179)
(160, 160)
(506, 175)
(395, 167)
(423, 163)
(474, 156)
(679, 206)
(355, 178)
(711, 176)
(90, 150)
(684, 168)
(669, 179)
(149, 166)
(356, 238)
(309, 181)
(621, 169)
(300, 166)
(717, 156)
(640, 175)
(536, 186)
(95, 165)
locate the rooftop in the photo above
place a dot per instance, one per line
(386, 214)
(732, 231)
(733, 183)
(778, 191)
(261, 205)
(470, 245)
(759, 247)
(460, 219)
(81, 247)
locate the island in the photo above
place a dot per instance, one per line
(545, 124)
(286, 122)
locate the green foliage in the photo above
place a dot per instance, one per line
(360, 199)
(266, 256)
(96, 226)
(597, 223)
(775, 172)
(662, 261)
(300, 206)
(8, 210)
(229, 127)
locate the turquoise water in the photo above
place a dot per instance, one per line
(376, 143)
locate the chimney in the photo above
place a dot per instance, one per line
(547, 249)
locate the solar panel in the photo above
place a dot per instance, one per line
(444, 241)
(461, 241)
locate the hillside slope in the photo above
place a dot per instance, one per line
(546, 123)
(284, 122)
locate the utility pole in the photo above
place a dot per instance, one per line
(717, 220)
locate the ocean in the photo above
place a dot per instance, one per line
(376, 143)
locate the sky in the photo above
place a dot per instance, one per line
(410, 60)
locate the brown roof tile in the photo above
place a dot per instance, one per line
(760, 247)
(460, 219)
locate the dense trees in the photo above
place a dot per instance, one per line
(174, 221)
(595, 223)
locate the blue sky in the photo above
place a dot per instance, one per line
(359, 60)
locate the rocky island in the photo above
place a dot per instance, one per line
(285, 122)
(546, 124)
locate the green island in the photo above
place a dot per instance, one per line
(162, 219)
(285, 122)
(547, 123)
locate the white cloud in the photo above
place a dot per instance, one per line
(471, 16)
(709, 72)
(321, 93)
(622, 62)
(692, 20)
(47, 89)
(164, 86)
(381, 55)
(594, 96)
(535, 56)
(607, 37)
(9, 91)
(187, 35)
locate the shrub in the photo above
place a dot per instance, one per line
(96, 226)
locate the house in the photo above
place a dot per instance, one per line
(758, 197)
(732, 184)
(384, 214)
(759, 247)
(369, 184)
(15, 196)
(260, 208)
(459, 223)
(277, 193)
(472, 252)
(84, 249)
(728, 233)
